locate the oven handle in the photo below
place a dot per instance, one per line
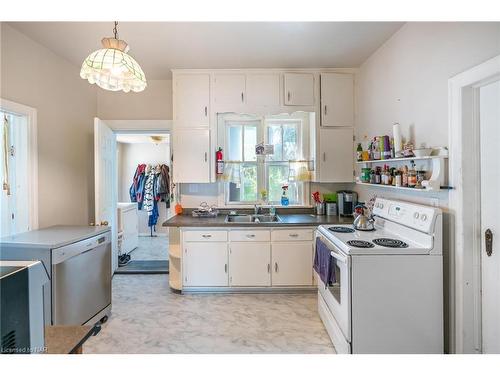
(338, 257)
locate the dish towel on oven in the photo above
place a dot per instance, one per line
(324, 263)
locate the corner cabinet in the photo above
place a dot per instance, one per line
(336, 155)
(191, 100)
(191, 149)
(337, 99)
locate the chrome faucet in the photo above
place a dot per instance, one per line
(256, 209)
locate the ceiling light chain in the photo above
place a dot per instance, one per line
(115, 30)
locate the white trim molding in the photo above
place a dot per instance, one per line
(31, 115)
(464, 203)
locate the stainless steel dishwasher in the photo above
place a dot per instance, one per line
(81, 280)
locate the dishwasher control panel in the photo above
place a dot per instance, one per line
(66, 252)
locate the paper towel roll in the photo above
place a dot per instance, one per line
(396, 134)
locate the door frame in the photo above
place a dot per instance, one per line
(31, 114)
(464, 203)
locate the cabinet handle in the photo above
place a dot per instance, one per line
(206, 111)
(225, 268)
(206, 235)
(242, 97)
(288, 95)
(293, 235)
(205, 157)
(324, 156)
(268, 268)
(250, 235)
(276, 267)
(325, 109)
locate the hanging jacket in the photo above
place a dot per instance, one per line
(136, 190)
(164, 184)
(149, 191)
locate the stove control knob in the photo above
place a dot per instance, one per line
(380, 205)
(423, 217)
(416, 215)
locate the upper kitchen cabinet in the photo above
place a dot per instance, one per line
(191, 151)
(191, 100)
(263, 90)
(229, 92)
(299, 89)
(337, 99)
(336, 155)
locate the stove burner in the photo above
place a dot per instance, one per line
(389, 242)
(359, 243)
(341, 229)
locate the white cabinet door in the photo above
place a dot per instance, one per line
(191, 155)
(337, 99)
(336, 155)
(263, 90)
(249, 264)
(191, 100)
(205, 264)
(292, 263)
(299, 89)
(229, 92)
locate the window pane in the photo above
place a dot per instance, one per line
(250, 142)
(274, 138)
(278, 176)
(234, 143)
(246, 190)
(290, 142)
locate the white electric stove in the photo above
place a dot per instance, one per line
(387, 296)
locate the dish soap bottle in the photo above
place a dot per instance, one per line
(284, 197)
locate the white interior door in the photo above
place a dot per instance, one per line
(490, 206)
(106, 186)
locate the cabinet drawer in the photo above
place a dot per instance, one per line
(292, 235)
(205, 236)
(250, 235)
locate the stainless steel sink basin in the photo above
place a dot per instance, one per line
(252, 219)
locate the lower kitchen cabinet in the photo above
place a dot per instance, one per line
(205, 264)
(250, 264)
(292, 263)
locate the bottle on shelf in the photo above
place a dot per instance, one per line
(412, 176)
(404, 179)
(359, 152)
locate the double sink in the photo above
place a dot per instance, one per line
(252, 219)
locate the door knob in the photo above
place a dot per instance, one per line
(488, 240)
(104, 223)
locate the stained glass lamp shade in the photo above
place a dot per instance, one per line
(111, 68)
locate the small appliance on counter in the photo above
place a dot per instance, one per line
(21, 307)
(346, 201)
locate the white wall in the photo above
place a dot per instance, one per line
(406, 81)
(154, 103)
(129, 156)
(66, 105)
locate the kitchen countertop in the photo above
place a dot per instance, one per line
(53, 237)
(68, 339)
(287, 220)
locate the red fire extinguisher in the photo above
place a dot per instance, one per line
(219, 163)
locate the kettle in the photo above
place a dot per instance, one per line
(362, 222)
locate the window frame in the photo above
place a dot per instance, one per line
(225, 121)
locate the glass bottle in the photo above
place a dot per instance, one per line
(412, 176)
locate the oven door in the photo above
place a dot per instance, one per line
(338, 295)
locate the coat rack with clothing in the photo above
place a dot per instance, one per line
(150, 185)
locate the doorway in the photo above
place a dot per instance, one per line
(18, 169)
(143, 201)
(474, 201)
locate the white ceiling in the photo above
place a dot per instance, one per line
(161, 46)
(141, 138)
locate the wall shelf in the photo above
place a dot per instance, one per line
(403, 188)
(436, 182)
(394, 160)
